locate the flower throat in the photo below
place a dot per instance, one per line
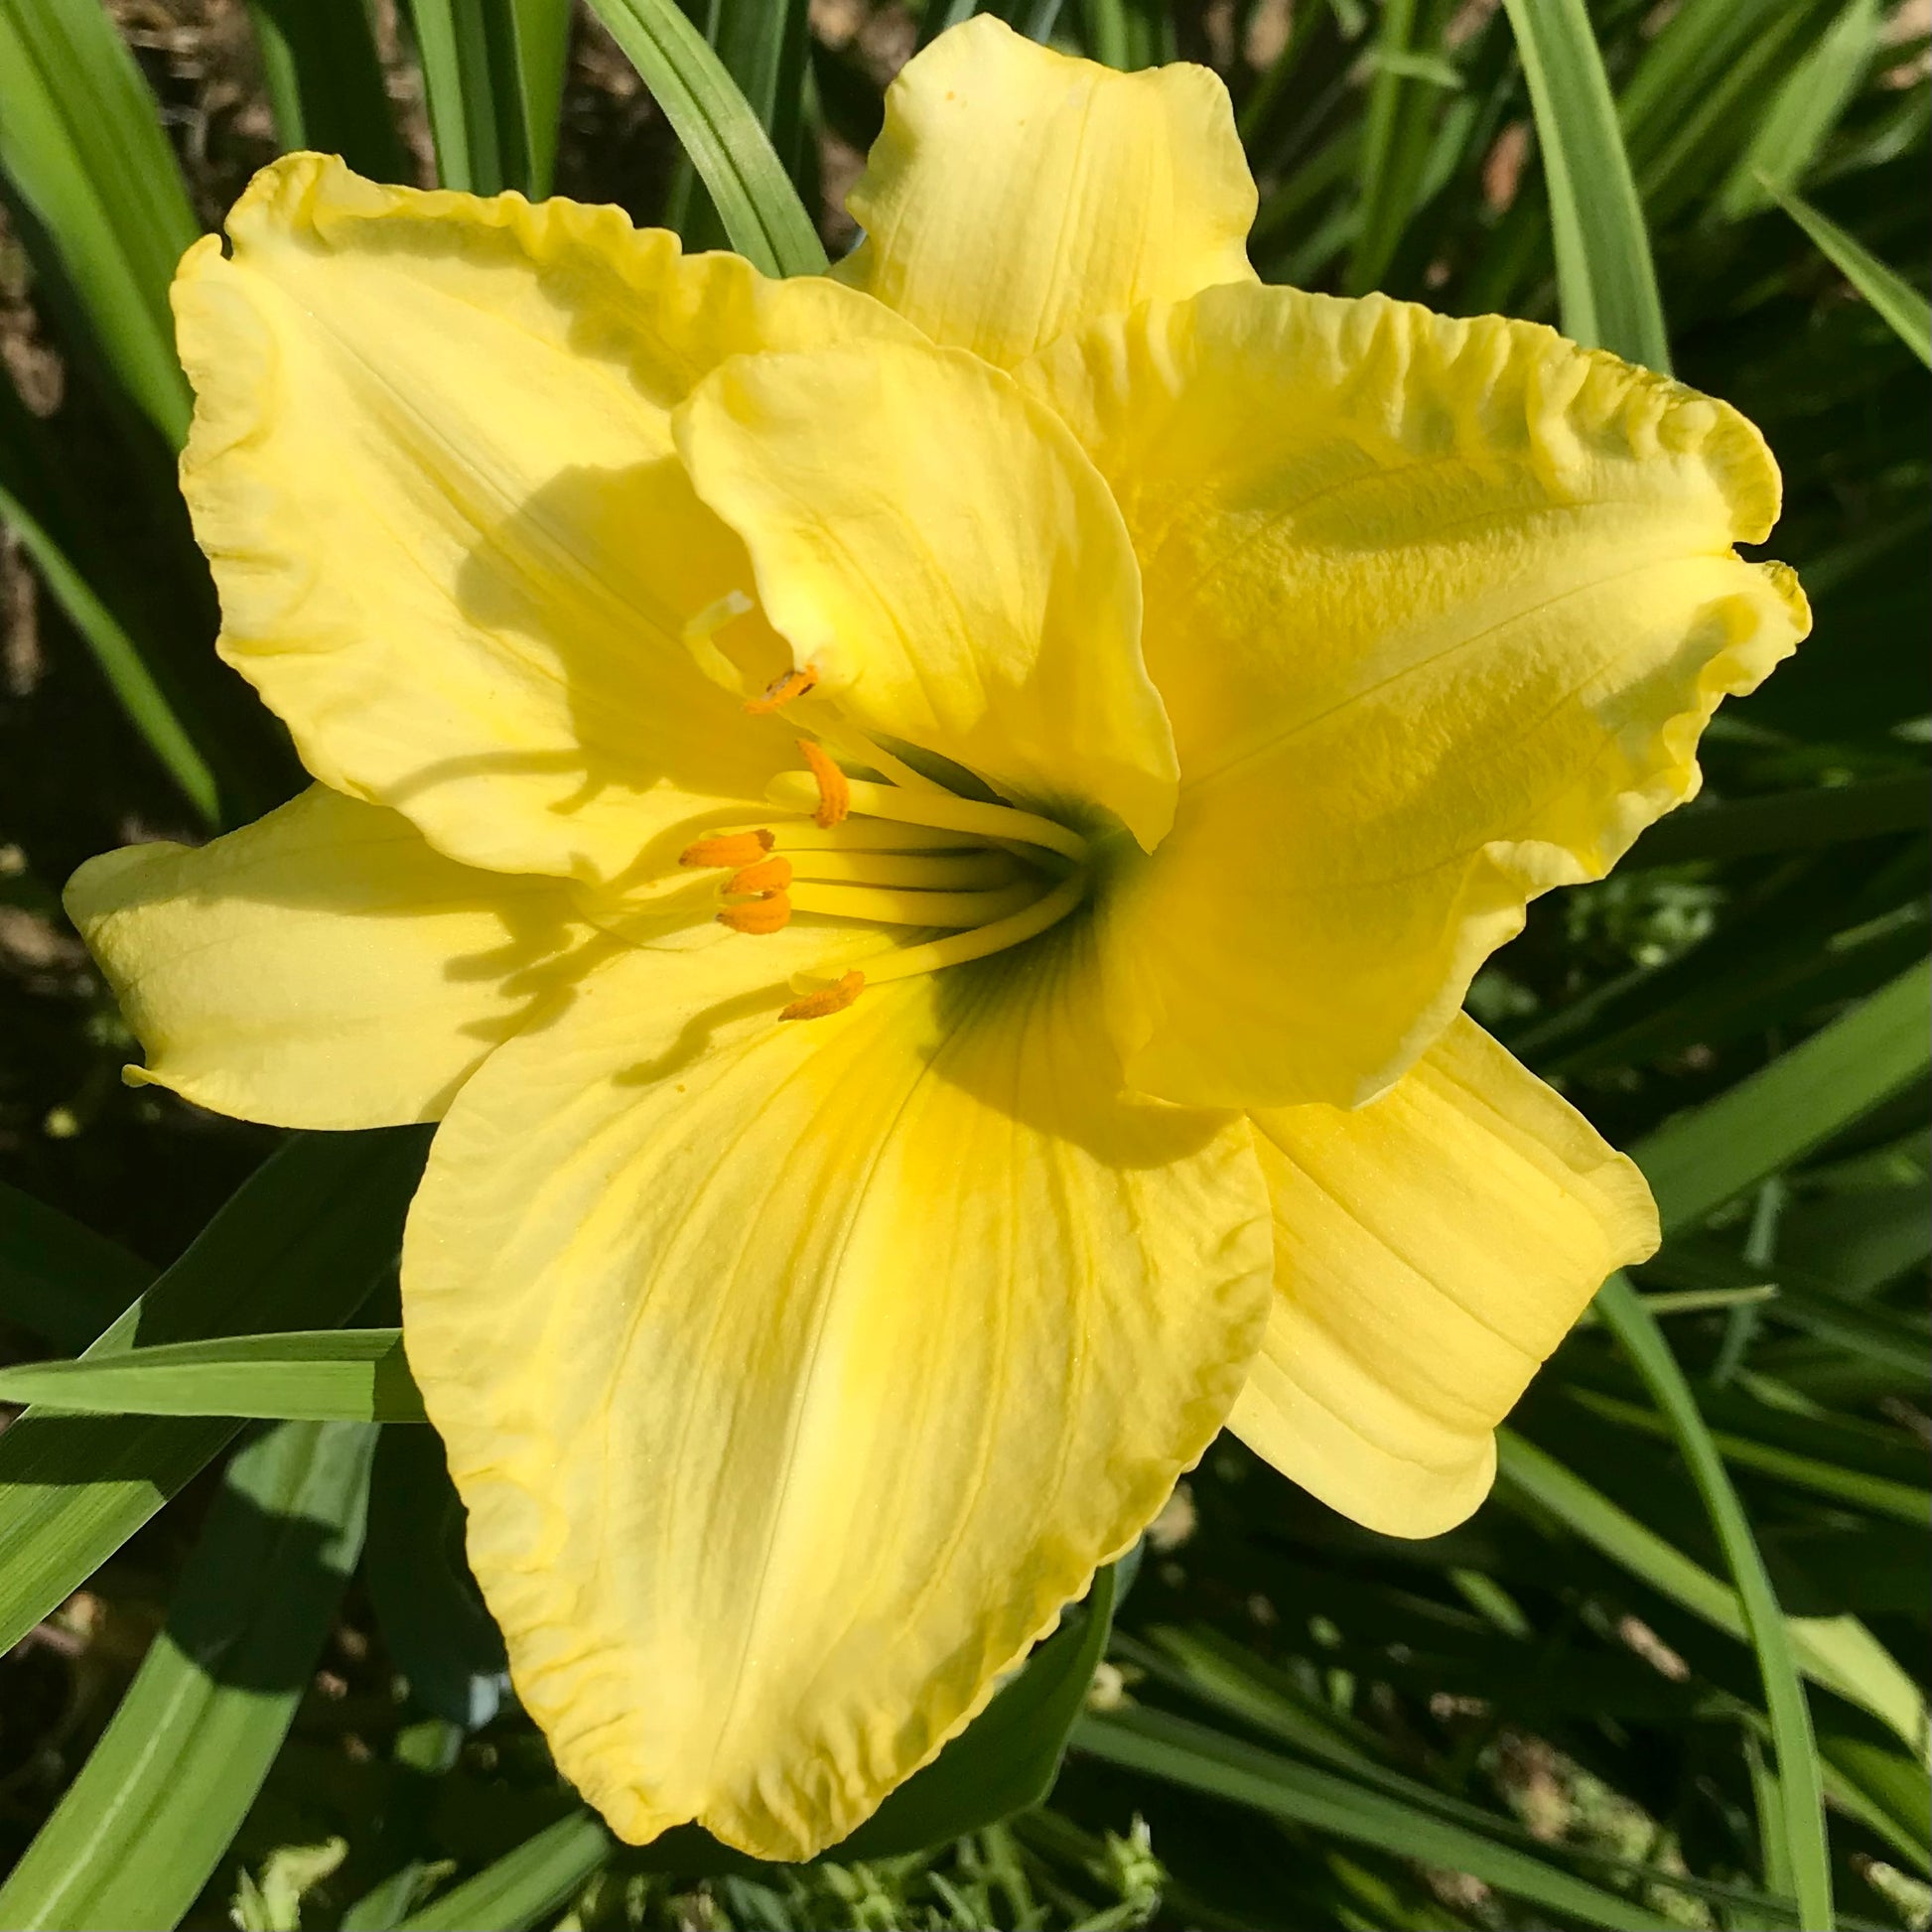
(897, 851)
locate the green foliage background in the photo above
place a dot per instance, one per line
(1672, 1674)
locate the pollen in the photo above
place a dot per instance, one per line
(834, 788)
(782, 691)
(729, 849)
(766, 876)
(769, 912)
(833, 999)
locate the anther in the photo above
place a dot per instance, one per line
(782, 691)
(834, 788)
(766, 876)
(833, 999)
(769, 912)
(728, 849)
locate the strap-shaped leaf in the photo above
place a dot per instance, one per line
(493, 75)
(1796, 1801)
(763, 45)
(314, 1375)
(1604, 277)
(1197, 1758)
(718, 131)
(1703, 1159)
(1787, 821)
(1902, 305)
(61, 1279)
(143, 1826)
(326, 86)
(32, 504)
(302, 1242)
(432, 1614)
(524, 1886)
(81, 147)
(1839, 1653)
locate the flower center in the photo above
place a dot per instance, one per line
(898, 850)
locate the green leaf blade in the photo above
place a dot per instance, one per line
(747, 184)
(315, 1375)
(145, 1824)
(1908, 312)
(304, 1241)
(82, 145)
(1794, 1822)
(1605, 274)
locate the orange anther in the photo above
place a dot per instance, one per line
(834, 793)
(834, 999)
(728, 849)
(780, 691)
(769, 912)
(768, 875)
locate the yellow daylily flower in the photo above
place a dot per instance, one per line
(922, 832)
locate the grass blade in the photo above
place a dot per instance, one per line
(326, 86)
(1604, 277)
(1808, 106)
(27, 503)
(1787, 821)
(426, 1600)
(762, 45)
(63, 1281)
(464, 50)
(540, 37)
(1837, 1653)
(1209, 1665)
(732, 153)
(1907, 311)
(302, 1242)
(1794, 1829)
(304, 1375)
(1198, 1758)
(1903, 1502)
(1388, 185)
(523, 1887)
(81, 147)
(144, 1826)
(1703, 1159)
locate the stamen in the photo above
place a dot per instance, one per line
(872, 835)
(768, 875)
(958, 947)
(794, 790)
(856, 748)
(834, 787)
(769, 912)
(937, 872)
(782, 691)
(832, 999)
(878, 905)
(728, 849)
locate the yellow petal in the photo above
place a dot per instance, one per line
(1016, 194)
(432, 468)
(323, 967)
(936, 548)
(1439, 609)
(1431, 1249)
(794, 1374)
